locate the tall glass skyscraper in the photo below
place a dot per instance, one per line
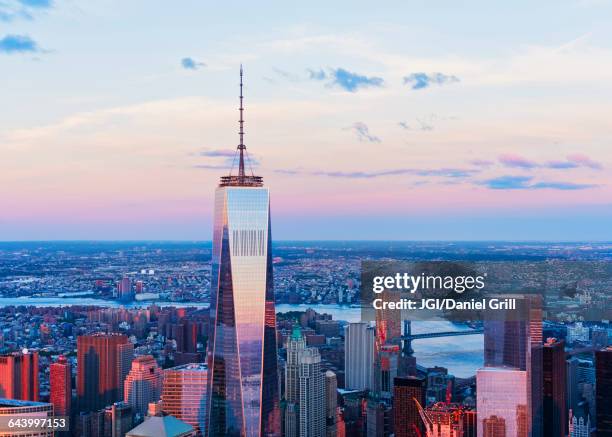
(244, 392)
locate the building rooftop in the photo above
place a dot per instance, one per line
(166, 426)
(7, 403)
(190, 366)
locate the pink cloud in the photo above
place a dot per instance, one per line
(516, 161)
(584, 161)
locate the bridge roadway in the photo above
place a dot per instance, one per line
(442, 334)
(408, 336)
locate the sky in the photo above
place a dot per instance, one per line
(413, 121)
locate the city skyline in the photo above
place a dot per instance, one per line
(442, 134)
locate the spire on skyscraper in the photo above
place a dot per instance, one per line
(241, 146)
(242, 180)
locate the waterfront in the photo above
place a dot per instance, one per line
(462, 358)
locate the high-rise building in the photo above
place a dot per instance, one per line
(296, 344)
(379, 417)
(124, 290)
(143, 384)
(118, 419)
(125, 356)
(408, 394)
(502, 394)
(386, 369)
(494, 426)
(18, 409)
(331, 403)
(554, 403)
(603, 391)
(97, 370)
(359, 356)
(60, 379)
(312, 394)
(19, 375)
(184, 394)
(244, 395)
(513, 340)
(470, 423)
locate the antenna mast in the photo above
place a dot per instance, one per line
(241, 146)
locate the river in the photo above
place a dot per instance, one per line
(461, 355)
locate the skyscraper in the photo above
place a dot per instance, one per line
(603, 391)
(331, 403)
(554, 402)
(125, 356)
(244, 394)
(19, 376)
(118, 419)
(61, 386)
(143, 384)
(494, 426)
(513, 340)
(502, 395)
(97, 376)
(359, 356)
(296, 344)
(184, 394)
(408, 393)
(312, 394)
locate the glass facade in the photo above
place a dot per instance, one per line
(244, 393)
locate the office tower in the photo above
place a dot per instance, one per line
(19, 409)
(386, 369)
(494, 426)
(511, 334)
(296, 344)
(97, 370)
(572, 394)
(143, 384)
(118, 419)
(61, 386)
(167, 426)
(578, 427)
(513, 339)
(379, 415)
(19, 375)
(388, 321)
(502, 393)
(184, 394)
(244, 394)
(352, 420)
(331, 403)
(124, 290)
(603, 391)
(439, 385)
(312, 394)
(408, 393)
(470, 423)
(125, 356)
(554, 402)
(185, 334)
(359, 356)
